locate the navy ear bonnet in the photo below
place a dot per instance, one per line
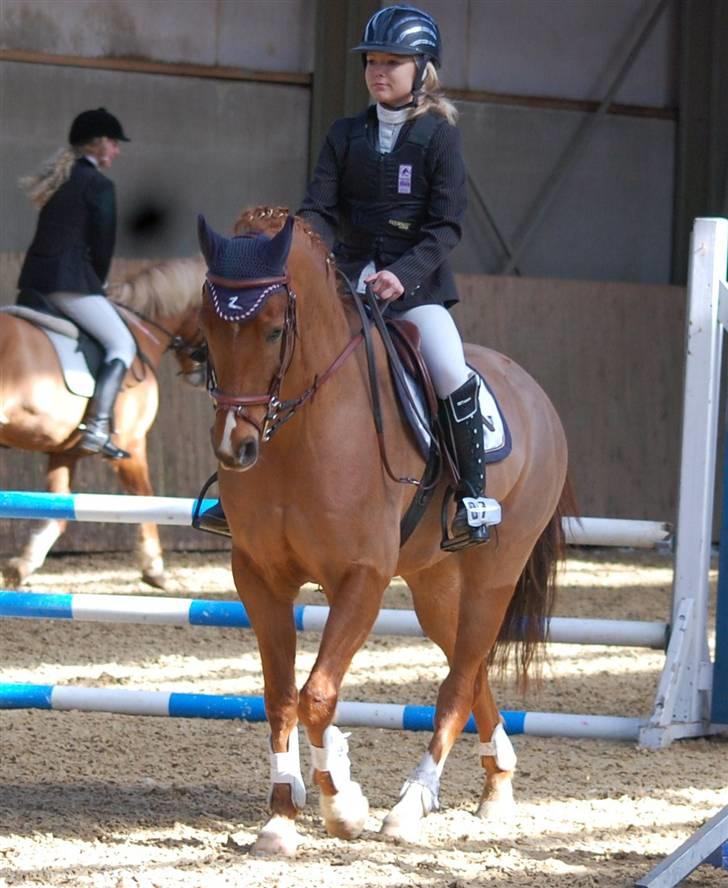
(233, 261)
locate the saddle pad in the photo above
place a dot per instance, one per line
(76, 374)
(496, 434)
(64, 337)
(41, 319)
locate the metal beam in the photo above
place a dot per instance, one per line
(701, 173)
(641, 29)
(338, 80)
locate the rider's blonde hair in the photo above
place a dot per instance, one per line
(431, 97)
(40, 186)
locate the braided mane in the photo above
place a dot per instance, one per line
(270, 219)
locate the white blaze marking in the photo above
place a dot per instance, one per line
(225, 446)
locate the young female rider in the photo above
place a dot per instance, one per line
(388, 196)
(71, 253)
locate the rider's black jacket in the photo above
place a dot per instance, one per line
(74, 240)
(403, 209)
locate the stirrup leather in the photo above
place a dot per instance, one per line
(213, 519)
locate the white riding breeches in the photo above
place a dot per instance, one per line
(98, 317)
(442, 347)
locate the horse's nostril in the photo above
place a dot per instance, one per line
(248, 451)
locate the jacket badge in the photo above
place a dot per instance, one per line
(404, 180)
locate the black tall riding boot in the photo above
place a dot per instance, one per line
(96, 426)
(465, 427)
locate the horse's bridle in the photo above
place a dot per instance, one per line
(277, 412)
(195, 351)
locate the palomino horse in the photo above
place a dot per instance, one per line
(311, 501)
(38, 413)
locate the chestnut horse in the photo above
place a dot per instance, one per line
(311, 501)
(38, 413)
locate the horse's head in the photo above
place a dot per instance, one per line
(248, 317)
(190, 350)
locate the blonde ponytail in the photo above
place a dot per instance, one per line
(41, 186)
(432, 98)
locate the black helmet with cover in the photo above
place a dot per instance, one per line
(402, 30)
(94, 124)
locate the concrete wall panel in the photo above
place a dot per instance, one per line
(197, 146)
(609, 220)
(554, 48)
(266, 35)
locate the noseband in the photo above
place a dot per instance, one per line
(278, 412)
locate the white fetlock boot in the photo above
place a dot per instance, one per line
(419, 796)
(279, 837)
(345, 812)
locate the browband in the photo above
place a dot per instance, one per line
(248, 284)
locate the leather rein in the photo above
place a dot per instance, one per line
(278, 411)
(197, 352)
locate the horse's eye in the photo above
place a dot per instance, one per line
(274, 334)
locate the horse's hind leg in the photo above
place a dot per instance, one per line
(134, 478)
(497, 756)
(60, 475)
(465, 625)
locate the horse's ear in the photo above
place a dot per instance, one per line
(278, 248)
(210, 242)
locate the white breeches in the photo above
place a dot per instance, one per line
(98, 317)
(442, 347)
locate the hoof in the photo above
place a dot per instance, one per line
(156, 580)
(15, 573)
(500, 808)
(401, 829)
(346, 812)
(278, 838)
(404, 821)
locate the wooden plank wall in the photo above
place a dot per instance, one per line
(610, 355)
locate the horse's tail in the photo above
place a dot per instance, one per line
(524, 629)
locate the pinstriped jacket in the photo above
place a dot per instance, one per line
(422, 266)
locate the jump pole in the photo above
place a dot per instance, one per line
(122, 509)
(159, 610)
(126, 701)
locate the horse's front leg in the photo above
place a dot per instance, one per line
(133, 474)
(59, 478)
(354, 608)
(271, 615)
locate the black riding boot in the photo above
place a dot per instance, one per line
(96, 437)
(213, 520)
(465, 427)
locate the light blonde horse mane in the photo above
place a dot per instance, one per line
(163, 289)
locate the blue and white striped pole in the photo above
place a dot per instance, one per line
(309, 618)
(121, 509)
(395, 716)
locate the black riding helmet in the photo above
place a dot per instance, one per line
(94, 124)
(403, 30)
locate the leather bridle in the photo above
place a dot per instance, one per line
(278, 411)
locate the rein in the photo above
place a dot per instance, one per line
(278, 412)
(177, 344)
